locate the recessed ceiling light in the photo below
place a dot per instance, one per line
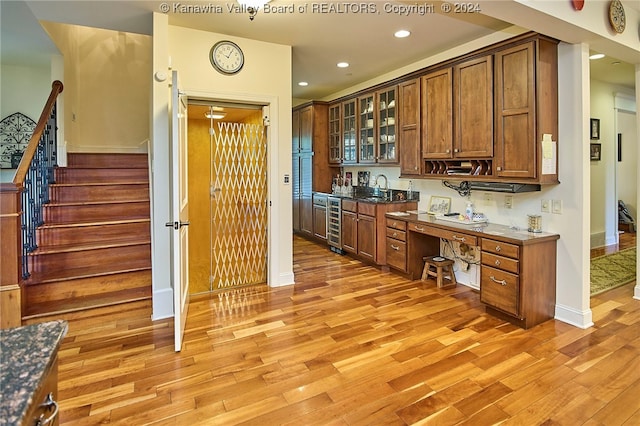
(402, 33)
(303, 83)
(343, 64)
(597, 56)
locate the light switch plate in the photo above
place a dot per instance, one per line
(545, 206)
(556, 206)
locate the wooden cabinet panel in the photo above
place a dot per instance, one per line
(397, 254)
(367, 237)
(320, 221)
(397, 224)
(409, 145)
(501, 262)
(366, 129)
(386, 116)
(515, 142)
(501, 248)
(437, 108)
(349, 231)
(396, 234)
(473, 108)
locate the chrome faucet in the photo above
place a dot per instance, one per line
(386, 182)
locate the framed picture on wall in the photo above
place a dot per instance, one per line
(439, 205)
(595, 128)
(596, 151)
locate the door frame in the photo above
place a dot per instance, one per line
(271, 132)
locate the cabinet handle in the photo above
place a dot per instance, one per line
(48, 403)
(448, 151)
(497, 262)
(415, 168)
(418, 228)
(501, 282)
(455, 150)
(461, 239)
(396, 248)
(395, 234)
(498, 248)
(394, 224)
(498, 168)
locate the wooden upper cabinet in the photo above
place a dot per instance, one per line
(335, 144)
(409, 148)
(348, 139)
(386, 125)
(515, 113)
(306, 123)
(437, 107)
(473, 108)
(366, 129)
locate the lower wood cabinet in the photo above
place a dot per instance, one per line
(320, 216)
(397, 244)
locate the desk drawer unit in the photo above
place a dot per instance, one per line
(500, 279)
(397, 244)
(445, 234)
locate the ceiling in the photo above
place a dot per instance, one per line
(319, 39)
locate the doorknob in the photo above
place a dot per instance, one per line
(176, 225)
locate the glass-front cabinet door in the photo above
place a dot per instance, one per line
(349, 154)
(335, 146)
(366, 129)
(387, 117)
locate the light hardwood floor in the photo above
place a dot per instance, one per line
(351, 345)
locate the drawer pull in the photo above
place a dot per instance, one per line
(48, 403)
(395, 234)
(418, 228)
(394, 224)
(497, 262)
(396, 248)
(501, 282)
(461, 239)
(498, 248)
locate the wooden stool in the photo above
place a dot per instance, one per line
(438, 266)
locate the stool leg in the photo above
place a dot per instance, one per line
(439, 278)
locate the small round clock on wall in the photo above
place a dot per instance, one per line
(226, 57)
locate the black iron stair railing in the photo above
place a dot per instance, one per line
(34, 174)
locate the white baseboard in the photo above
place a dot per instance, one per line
(636, 292)
(284, 279)
(162, 304)
(598, 239)
(581, 319)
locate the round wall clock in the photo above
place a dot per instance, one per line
(616, 16)
(226, 57)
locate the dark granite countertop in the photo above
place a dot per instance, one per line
(486, 230)
(26, 356)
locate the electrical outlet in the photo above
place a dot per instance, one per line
(545, 206)
(508, 201)
(488, 198)
(556, 206)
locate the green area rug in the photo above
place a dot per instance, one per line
(612, 270)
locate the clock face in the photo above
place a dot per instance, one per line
(226, 57)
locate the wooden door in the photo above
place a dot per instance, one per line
(473, 114)
(179, 211)
(409, 147)
(437, 125)
(515, 105)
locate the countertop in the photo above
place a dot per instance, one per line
(26, 356)
(396, 196)
(482, 230)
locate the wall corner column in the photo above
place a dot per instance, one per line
(10, 256)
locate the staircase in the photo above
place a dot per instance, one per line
(94, 250)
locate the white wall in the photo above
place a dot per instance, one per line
(24, 89)
(106, 87)
(265, 79)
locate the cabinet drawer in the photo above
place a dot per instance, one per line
(368, 209)
(397, 254)
(503, 249)
(444, 233)
(501, 262)
(500, 290)
(397, 224)
(349, 205)
(396, 234)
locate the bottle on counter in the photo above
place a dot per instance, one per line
(410, 191)
(468, 213)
